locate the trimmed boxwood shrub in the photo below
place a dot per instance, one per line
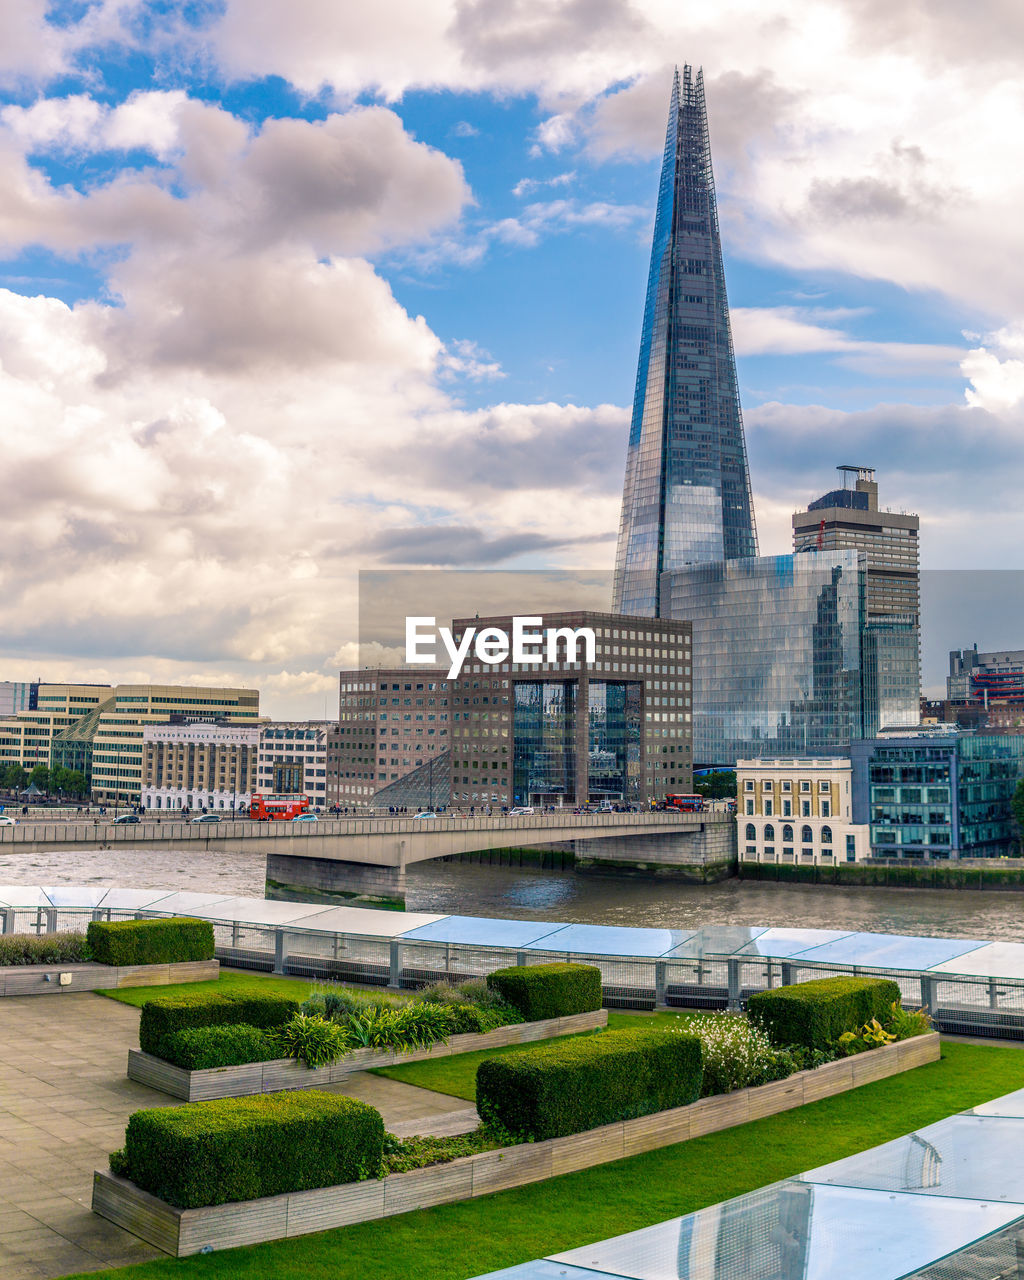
(815, 1014)
(197, 1048)
(549, 990)
(173, 941)
(165, 1015)
(208, 1153)
(571, 1085)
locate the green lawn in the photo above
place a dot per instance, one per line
(453, 1242)
(457, 1075)
(231, 981)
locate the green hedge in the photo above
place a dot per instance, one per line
(816, 1014)
(197, 1048)
(165, 1015)
(243, 1148)
(172, 941)
(549, 990)
(571, 1085)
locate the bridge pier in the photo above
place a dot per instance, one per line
(291, 878)
(701, 854)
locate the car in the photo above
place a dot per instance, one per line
(305, 817)
(124, 818)
(425, 814)
(8, 822)
(521, 811)
(206, 817)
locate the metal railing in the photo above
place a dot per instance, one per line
(960, 1004)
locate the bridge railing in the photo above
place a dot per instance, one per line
(959, 1003)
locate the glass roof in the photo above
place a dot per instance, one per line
(75, 895)
(611, 940)
(478, 931)
(889, 951)
(717, 940)
(363, 921)
(17, 895)
(798, 1229)
(128, 899)
(258, 910)
(975, 1157)
(992, 960)
(1010, 1104)
(789, 942)
(183, 903)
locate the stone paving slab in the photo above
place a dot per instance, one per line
(64, 1104)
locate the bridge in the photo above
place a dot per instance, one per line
(364, 860)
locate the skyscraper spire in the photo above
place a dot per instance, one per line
(686, 498)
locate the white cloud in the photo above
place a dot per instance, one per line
(995, 371)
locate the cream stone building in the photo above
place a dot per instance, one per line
(798, 811)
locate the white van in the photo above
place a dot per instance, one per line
(524, 811)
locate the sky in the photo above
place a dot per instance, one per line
(294, 290)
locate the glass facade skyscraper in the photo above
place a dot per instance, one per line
(686, 498)
(778, 654)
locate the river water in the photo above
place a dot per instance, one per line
(530, 893)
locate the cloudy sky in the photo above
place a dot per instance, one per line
(293, 288)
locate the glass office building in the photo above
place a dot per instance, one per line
(777, 654)
(686, 498)
(938, 794)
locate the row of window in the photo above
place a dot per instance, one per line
(806, 833)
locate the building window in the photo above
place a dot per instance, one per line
(751, 832)
(768, 808)
(787, 833)
(826, 808)
(769, 831)
(851, 848)
(806, 834)
(750, 807)
(826, 835)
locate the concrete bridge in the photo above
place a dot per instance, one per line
(364, 860)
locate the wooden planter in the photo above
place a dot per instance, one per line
(185, 1231)
(287, 1073)
(45, 979)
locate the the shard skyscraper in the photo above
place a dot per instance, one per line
(686, 498)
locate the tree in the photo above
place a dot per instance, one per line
(15, 777)
(40, 777)
(75, 785)
(59, 779)
(1017, 809)
(720, 784)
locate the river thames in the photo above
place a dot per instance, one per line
(529, 893)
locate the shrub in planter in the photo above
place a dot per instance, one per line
(567, 1086)
(165, 1015)
(314, 1041)
(49, 948)
(815, 1014)
(549, 990)
(207, 1153)
(198, 1048)
(475, 1006)
(121, 942)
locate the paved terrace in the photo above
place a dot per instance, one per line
(64, 1104)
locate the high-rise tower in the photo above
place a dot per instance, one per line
(686, 498)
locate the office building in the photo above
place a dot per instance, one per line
(16, 695)
(849, 519)
(293, 760)
(986, 678)
(27, 736)
(798, 811)
(778, 658)
(199, 766)
(938, 794)
(686, 498)
(98, 730)
(572, 731)
(391, 721)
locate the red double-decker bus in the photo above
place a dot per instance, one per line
(280, 808)
(684, 803)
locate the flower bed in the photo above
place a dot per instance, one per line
(288, 1073)
(181, 1232)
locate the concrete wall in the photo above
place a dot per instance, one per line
(702, 853)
